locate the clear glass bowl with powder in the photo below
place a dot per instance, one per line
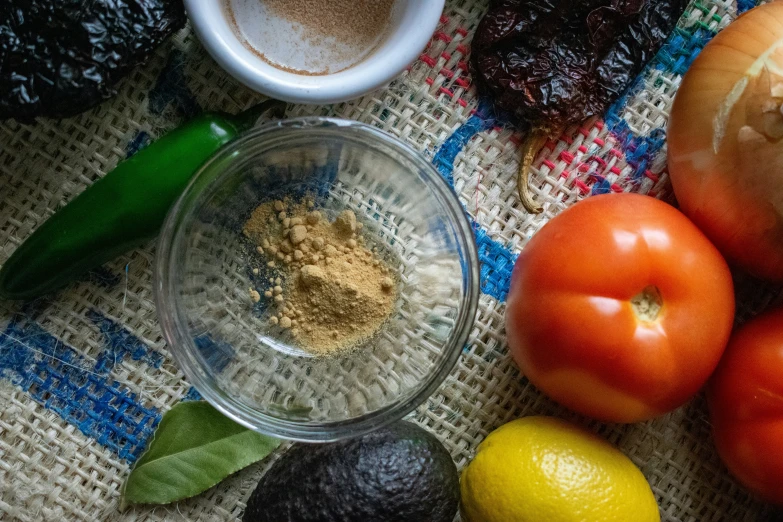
(216, 296)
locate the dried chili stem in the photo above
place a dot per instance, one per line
(530, 148)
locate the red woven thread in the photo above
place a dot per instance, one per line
(461, 66)
(462, 82)
(428, 60)
(583, 187)
(443, 37)
(598, 160)
(567, 157)
(459, 81)
(447, 92)
(453, 75)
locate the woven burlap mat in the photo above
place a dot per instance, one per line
(85, 375)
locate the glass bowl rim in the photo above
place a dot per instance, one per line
(184, 350)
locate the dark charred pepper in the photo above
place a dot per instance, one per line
(554, 63)
(122, 210)
(61, 57)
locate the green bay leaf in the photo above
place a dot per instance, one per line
(194, 447)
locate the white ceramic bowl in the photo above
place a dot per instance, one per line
(411, 27)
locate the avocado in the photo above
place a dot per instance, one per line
(400, 473)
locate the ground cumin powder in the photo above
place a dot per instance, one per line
(357, 22)
(333, 292)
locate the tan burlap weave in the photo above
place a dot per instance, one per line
(51, 470)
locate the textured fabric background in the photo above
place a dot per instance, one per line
(85, 375)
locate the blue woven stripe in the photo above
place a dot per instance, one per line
(681, 48)
(192, 395)
(497, 263)
(444, 158)
(745, 5)
(119, 344)
(78, 390)
(171, 89)
(676, 55)
(496, 259)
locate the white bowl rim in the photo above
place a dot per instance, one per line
(401, 48)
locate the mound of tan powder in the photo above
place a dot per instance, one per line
(333, 293)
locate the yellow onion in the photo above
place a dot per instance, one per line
(725, 142)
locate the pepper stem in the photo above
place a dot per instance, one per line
(530, 147)
(247, 118)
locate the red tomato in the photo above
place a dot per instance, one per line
(746, 406)
(619, 308)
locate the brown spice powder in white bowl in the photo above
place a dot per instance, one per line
(311, 37)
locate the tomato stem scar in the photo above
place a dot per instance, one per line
(647, 304)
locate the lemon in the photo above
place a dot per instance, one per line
(542, 469)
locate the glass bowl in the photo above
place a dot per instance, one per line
(222, 339)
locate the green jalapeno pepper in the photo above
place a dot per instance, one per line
(122, 210)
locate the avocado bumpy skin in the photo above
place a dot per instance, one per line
(400, 473)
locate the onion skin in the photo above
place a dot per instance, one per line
(725, 142)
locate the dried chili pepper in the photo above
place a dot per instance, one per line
(61, 57)
(558, 62)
